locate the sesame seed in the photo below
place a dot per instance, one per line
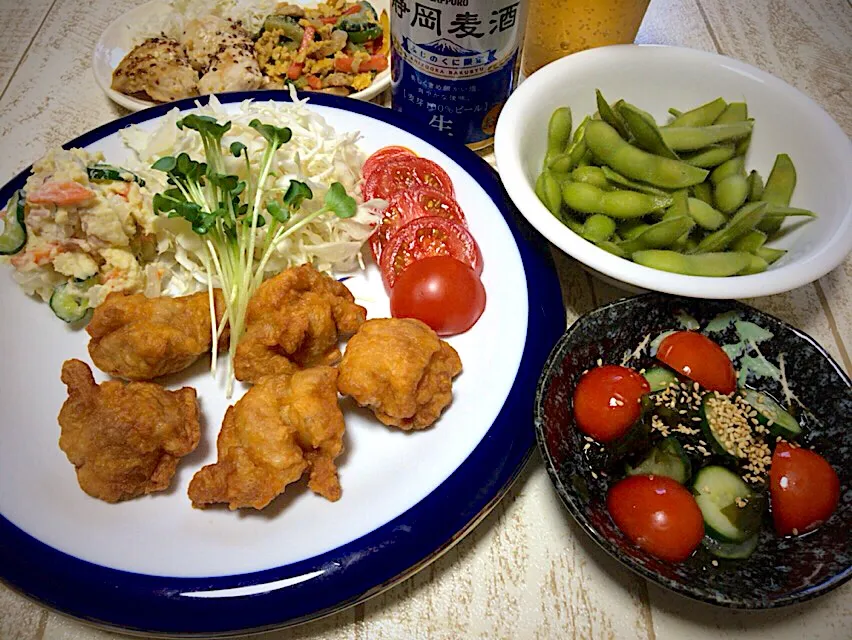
(795, 532)
(594, 475)
(586, 446)
(715, 563)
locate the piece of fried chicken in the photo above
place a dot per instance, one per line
(401, 370)
(295, 320)
(158, 68)
(140, 338)
(281, 428)
(125, 439)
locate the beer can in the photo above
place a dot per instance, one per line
(453, 63)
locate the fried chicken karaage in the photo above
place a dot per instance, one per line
(401, 370)
(295, 321)
(140, 338)
(282, 427)
(125, 439)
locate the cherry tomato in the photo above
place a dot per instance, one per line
(803, 488)
(608, 400)
(404, 173)
(658, 515)
(699, 358)
(425, 237)
(405, 206)
(442, 292)
(382, 157)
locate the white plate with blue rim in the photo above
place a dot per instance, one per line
(155, 565)
(123, 34)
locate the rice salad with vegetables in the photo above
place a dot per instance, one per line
(111, 239)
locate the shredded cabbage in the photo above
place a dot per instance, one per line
(251, 13)
(316, 155)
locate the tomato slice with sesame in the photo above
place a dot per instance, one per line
(699, 358)
(804, 489)
(409, 205)
(383, 156)
(608, 401)
(657, 514)
(405, 173)
(424, 237)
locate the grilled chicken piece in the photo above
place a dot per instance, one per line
(287, 9)
(158, 68)
(223, 52)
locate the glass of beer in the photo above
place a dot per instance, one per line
(556, 28)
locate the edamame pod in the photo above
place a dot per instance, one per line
(598, 228)
(741, 223)
(559, 130)
(612, 248)
(701, 116)
(734, 112)
(704, 215)
(769, 254)
(733, 167)
(779, 189)
(694, 138)
(616, 178)
(712, 156)
(660, 235)
(610, 149)
(645, 131)
(591, 175)
(719, 265)
(622, 205)
(755, 186)
(730, 193)
(632, 228)
(703, 192)
(756, 265)
(750, 242)
(776, 211)
(548, 191)
(610, 116)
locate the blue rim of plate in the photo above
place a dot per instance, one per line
(352, 572)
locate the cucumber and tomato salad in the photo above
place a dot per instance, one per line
(655, 505)
(430, 262)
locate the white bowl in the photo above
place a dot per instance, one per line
(655, 78)
(120, 37)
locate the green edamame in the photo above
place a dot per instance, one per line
(712, 156)
(779, 189)
(730, 194)
(756, 265)
(740, 223)
(769, 254)
(587, 198)
(733, 167)
(728, 263)
(558, 134)
(616, 178)
(645, 131)
(632, 228)
(661, 235)
(734, 112)
(704, 215)
(598, 228)
(591, 175)
(548, 191)
(694, 138)
(750, 242)
(703, 192)
(755, 186)
(611, 149)
(701, 116)
(612, 248)
(610, 116)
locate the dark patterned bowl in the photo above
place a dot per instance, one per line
(781, 571)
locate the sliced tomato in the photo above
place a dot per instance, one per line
(383, 156)
(425, 237)
(406, 173)
(442, 292)
(608, 400)
(658, 515)
(409, 205)
(803, 488)
(699, 358)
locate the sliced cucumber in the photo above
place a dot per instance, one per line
(718, 492)
(708, 418)
(771, 414)
(731, 550)
(666, 459)
(14, 235)
(108, 172)
(660, 378)
(67, 303)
